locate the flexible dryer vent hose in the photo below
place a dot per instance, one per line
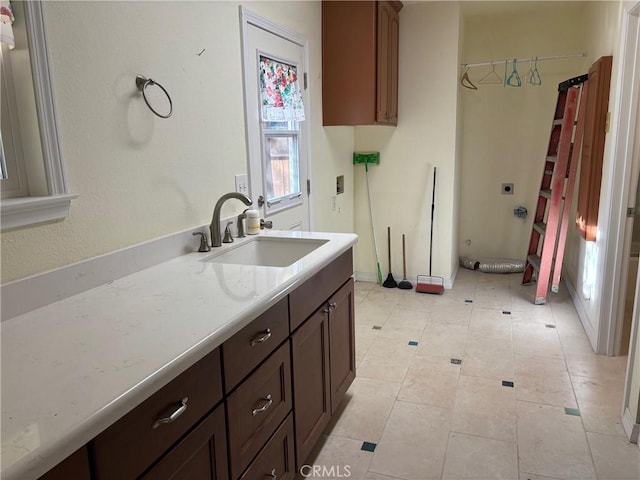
(493, 265)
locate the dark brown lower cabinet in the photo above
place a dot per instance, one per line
(201, 455)
(342, 355)
(311, 387)
(324, 366)
(75, 466)
(280, 395)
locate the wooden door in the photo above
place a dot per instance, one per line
(593, 148)
(341, 343)
(201, 455)
(311, 387)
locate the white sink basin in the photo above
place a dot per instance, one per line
(268, 251)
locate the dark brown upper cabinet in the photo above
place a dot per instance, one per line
(360, 62)
(593, 148)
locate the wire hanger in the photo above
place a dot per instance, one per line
(466, 82)
(492, 77)
(534, 75)
(514, 78)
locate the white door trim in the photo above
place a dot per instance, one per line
(248, 17)
(616, 248)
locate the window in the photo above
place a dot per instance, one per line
(282, 112)
(281, 165)
(34, 189)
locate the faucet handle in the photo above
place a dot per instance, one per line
(228, 238)
(265, 224)
(204, 246)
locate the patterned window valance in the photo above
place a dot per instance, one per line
(281, 97)
(6, 22)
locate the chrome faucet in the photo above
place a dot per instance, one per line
(214, 228)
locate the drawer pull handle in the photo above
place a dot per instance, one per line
(264, 407)
(332, 305)
(262, 338)
(272, 474)
(174, 416)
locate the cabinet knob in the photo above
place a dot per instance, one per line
(174, 416)
(331, 306)
(273, 475)
(261, 338)
(256, 411)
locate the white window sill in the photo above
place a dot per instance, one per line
(19, 212)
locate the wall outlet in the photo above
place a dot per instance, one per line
(242, 183)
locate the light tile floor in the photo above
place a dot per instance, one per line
(432, 419)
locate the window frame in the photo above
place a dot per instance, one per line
(284, 202)
(22, 211)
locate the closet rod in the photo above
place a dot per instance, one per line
(520, 60)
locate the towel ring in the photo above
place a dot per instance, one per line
(142, 83)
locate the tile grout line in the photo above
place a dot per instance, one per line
(515, 393)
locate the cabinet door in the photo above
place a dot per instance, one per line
(311, 388)
(75, 466)
(385, 13)
(394, 36)
(201, 455)
(388, 28)
(341, 343)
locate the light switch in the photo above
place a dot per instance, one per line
(242, 183)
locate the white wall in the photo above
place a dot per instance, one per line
(140, 177)
(506, 129)
(426, 135)
(603, 24)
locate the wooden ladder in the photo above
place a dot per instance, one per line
(551, 220)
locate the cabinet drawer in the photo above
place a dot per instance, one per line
(132, 444)
(247, 348)
(305, 299)
(276, 460)
(257, 407)
(201, 454)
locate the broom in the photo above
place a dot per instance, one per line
(390, 282)
(404, 284)
(429, 283)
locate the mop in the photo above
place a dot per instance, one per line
(429, 283)
(367, 158)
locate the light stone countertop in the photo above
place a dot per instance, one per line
(72, 368)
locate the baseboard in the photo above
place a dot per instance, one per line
(582, 315)
(18, 296)
(631, 428)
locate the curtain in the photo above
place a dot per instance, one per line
(6, 22)
(280, 94)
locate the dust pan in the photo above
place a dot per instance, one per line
(430, 284)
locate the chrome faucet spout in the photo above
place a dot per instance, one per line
(214, 228)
